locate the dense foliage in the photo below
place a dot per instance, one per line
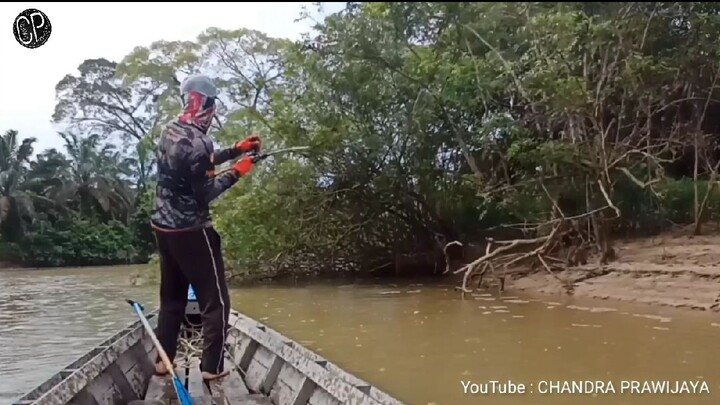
(72, 208)
(427, 122)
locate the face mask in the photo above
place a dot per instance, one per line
(199, 110)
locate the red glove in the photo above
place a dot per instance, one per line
(244, 166)
(251, 143)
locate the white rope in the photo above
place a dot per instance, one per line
(190, 347)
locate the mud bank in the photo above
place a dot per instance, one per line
(676, 270)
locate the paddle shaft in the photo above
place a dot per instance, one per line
(163, 355)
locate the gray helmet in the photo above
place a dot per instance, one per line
(198, 95)
(201, 84)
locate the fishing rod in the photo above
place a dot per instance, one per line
(262, 156)
(265, 155)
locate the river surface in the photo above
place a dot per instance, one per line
(418, 342)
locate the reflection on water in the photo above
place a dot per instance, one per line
(417, 342)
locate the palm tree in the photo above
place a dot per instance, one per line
(90, 180)
(16, 206)
(47, 175)
(141, 165)
(95, 178)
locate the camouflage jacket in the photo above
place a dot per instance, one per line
(186, 178)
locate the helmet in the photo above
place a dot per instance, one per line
(201, 84)
(198, 94)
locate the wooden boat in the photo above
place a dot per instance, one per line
(266, 368)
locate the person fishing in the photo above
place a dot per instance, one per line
(188, 245)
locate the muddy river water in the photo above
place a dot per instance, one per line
(422, 343)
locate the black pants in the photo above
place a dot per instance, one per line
(193, 257)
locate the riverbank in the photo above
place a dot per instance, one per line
(5, 265)
(673, 269)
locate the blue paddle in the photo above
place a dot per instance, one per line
(182, 394)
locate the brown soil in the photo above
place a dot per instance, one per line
(674, 269)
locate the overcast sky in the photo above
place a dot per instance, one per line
(110, 30)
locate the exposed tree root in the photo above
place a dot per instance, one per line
(518, 256)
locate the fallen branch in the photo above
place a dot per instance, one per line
(503, 257)
(500, 250)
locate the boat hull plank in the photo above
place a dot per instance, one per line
(288, 385)
(194, 381)
(361, 385)
(135, 367)
(159, 389)
(322, 398)
(331, 383)
(254, 375)
(233, 387)
(83, 398)
(243, 323)
(105, 389)
(255, 399)
(197, 400)
(302, 396)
